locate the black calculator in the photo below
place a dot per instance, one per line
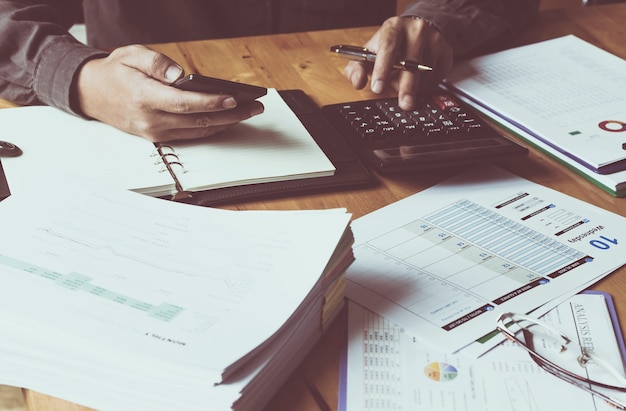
(441, 131)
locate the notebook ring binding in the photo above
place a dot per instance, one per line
(162, 158)
(167, 166)
(160, 149)
(164, 152)
(168, 158)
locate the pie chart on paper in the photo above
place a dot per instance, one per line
(440, 371)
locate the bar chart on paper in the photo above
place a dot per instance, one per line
(455, 268)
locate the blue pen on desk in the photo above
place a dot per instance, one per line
(363, 54)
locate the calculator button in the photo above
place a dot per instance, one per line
(369, 134)
(410, 130)
(453, 130)
(445, 102)
(433, 131)
(475, 128)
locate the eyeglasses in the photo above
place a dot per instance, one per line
(563, 357)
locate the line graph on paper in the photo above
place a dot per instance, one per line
(156, 241)
(150, 241)
(132, 260)
(452, 265)
(131, 248)
(136, 267)
(520, 395)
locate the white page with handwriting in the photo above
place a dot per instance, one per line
(446, 262)
(193, 285)
(565, 92)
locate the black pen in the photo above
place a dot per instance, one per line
(363, 54)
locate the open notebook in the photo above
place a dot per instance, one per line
(246, 160)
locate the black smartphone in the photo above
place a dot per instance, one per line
(241, 92)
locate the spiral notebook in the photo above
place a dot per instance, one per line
(287, 149)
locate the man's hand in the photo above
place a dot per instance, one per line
(403, 38)
(130, 90)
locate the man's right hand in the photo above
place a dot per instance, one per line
(403, 38)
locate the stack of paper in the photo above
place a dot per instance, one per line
(444, 264)
(120, 301)
(564, 96)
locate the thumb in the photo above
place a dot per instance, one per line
(173, 72)
(158, 65)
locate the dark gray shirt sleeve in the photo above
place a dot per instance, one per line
(39, 59)
(470, 24)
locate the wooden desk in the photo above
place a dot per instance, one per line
(301, 61)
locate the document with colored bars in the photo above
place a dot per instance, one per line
(446, 262)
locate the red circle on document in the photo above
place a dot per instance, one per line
(612, 126)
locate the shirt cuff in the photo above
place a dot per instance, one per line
(57, 71)
(464, 30)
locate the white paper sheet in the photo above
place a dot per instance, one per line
(390, 369)
(446, 262)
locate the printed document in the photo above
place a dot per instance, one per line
(566, 92)
(446, 262)
(614, 183)
(390, 369)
